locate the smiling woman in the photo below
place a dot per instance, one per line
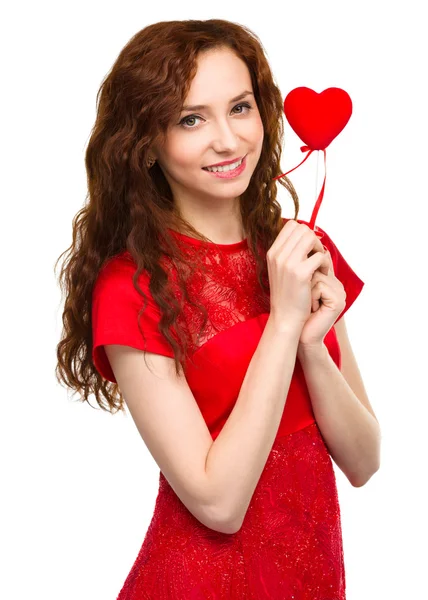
(161, 320)
(222, 133)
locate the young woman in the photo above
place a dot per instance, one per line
(192, 302)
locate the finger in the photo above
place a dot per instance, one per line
(317, 248)
(329, 259)
(327, 252)
(325, 265)
(316, 297)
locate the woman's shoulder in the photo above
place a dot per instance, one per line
(118, 271)
(121, 262)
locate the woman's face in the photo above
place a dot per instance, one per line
(222, 131)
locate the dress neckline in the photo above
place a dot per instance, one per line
(224, 247)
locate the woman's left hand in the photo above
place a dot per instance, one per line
(325, 287)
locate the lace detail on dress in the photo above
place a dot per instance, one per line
(229, 291)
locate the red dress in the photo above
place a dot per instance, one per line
(290, 544)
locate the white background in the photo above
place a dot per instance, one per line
(78, 485)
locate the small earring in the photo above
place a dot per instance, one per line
(151, 162)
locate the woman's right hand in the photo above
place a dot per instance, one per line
(291, 261)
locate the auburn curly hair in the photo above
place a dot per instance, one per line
(129, 206)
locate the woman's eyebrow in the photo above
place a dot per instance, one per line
(200, 106)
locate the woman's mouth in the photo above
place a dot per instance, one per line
(227, 172)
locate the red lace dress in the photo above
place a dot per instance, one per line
(290, 544)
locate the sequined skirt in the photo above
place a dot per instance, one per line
(288, 548)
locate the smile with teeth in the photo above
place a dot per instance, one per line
(225, 168)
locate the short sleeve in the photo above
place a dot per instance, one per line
(115, 307)
(342, 270)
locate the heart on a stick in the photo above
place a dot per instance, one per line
(317, 118)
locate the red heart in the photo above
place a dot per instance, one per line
(317, 118)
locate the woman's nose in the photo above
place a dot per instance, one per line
(225, 137)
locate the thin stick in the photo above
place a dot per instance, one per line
(316, 178)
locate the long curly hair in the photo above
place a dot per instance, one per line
(129, 206)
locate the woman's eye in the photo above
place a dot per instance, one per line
(184, 124)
